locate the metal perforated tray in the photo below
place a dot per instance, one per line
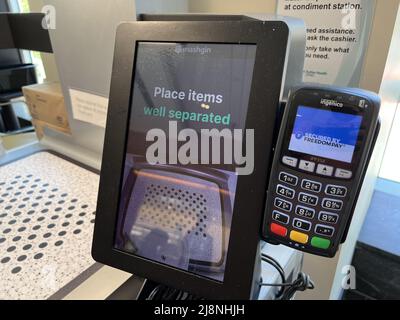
(47, 208)
(187, 209)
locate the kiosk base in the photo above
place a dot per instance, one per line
(136, 288)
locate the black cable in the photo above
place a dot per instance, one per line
(271, 261)
(168, 294)
(275, 262)
(287, 291)
(153, 293)
(262, 284)
(164, 293)
(302, 283)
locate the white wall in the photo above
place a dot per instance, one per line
(390, 167)
(232, 6)
(161, 6)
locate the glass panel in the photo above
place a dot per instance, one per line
(32, 56)
(24, 6)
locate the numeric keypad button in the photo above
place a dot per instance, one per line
(328, 217)
(312, 186)
(285, 192)
(288, 178)
(302, 225)
(336, 191)
(308, 199)
(332, 204)
(283, 205)
(305, 212)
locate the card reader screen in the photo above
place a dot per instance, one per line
(324, 133)
(176, 205)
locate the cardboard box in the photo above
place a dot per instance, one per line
(40, 125)
(47, 107)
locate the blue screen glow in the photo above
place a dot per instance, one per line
(327, 134)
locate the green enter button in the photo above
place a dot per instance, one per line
(320, 243)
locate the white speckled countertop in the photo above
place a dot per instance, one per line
(47, 208)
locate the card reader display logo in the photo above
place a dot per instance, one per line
(179, 49)
(321, 140)
(324, 133)
(312, 138)
(331, 103)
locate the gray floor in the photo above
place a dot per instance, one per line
(382, 224)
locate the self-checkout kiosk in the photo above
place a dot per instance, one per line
(191, 223)
(192, 227)
(208, 260)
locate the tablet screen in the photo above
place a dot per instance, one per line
(178, 188)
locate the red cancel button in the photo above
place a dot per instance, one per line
(279, 230)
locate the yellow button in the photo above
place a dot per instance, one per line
(299, 237)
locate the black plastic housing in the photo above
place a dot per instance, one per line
(311, 96)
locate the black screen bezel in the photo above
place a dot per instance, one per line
(271, 41)
(306, 99)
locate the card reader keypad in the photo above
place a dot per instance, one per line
(307, 211)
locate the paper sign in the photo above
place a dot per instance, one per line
(89, 107)
(337, 37)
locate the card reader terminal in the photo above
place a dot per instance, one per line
(325, 142)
